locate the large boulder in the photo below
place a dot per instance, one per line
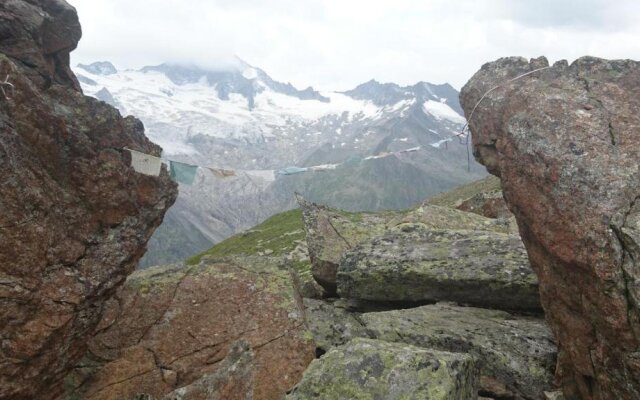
(75, 216)
(366, 369)
(331, 233)
(565, 143)
(412, 263)
(169, 327)
(516, 352)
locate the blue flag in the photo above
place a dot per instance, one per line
(183, 173)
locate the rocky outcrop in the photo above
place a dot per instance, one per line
(332, 323)
(483, 197)
(75, 217)
(517, 352)
(372, 369)
(332, 233)
(172, 327)
(414, 264)
(565, 143)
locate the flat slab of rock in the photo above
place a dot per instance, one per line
(169, 327)
(518, 352)
(373, 369)
(331, 233)
(412, 263)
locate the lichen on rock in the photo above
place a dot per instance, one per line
(365, 369)
(565, 143)
(170, 327)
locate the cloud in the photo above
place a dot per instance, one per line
(337, 44)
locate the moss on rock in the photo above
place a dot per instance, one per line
(366, 369)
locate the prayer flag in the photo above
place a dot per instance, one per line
(292, 171)
(222, 173)
(144, 163)
(183, 173)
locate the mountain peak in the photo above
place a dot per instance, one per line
(99, 68)
(237, 76)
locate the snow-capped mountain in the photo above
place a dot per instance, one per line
(241, 118)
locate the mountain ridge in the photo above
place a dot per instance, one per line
(229, 121)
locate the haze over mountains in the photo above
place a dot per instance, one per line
(242, 119)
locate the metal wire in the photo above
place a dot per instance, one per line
(7, 83)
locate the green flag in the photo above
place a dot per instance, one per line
(183, 173)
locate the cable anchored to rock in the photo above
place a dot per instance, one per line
(465, 132)
(9, 84)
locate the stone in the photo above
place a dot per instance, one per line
(331, 323)
(490, 205)
(331, 233)
(366, 369)
(517, 352)
(75, 216)
(565, 143)
(185, 320)
(233, 381)
(414, 264)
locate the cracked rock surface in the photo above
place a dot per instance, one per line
(75, 217)
(565, 142)
(170, 327)
(517, 352)
(331, 233)
(371, 369)
(412, 263)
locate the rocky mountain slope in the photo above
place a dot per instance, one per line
(238, 117)
(376, 343)
(570, 171)
(75, 216)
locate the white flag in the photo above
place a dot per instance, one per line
(145, 163)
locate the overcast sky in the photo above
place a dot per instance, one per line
(337, 44)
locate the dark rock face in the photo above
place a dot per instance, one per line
(168, 329)
(75, 217)
(566, 143)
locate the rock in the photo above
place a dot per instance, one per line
(310, 289)
(183, 321)
(332, 324)
(373, 369)
(331, 233)
(494, 389)
(412, 263)
(517, 352)
(75, 216)
(555, 395)
(39, 35)
(234, 379)
(490, 205)
(482, 197)
(565, 143)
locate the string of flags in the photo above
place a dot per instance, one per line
(186, 173)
